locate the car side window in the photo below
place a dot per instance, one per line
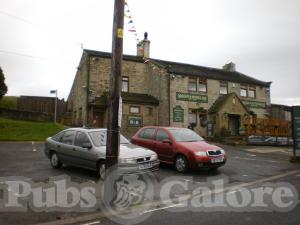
(147, 133)
(81, 138)
(161, 135)
(68, 137)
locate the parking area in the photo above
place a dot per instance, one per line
(245, 164)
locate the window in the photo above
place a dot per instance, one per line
(223, 88)
(252, 92)
(125, 84)
(147, 133)
(81, 138)
(58, 136)
(134, 109)
(161, 135)
(185, 135)
(192, 118)
(192, 84)
(244, 91)
(149, 111)
(202, 85)
(68, 137)
(99, 138)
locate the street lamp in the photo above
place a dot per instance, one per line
(55, 105)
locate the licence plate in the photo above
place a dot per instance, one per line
(217, 160)
(145, 166)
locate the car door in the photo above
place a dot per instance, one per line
(145, 138)
(84, 157)
(163, 148)
(65, 146)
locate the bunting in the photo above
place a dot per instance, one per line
(128, 21)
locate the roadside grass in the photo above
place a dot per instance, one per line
(18, 130)
(9, 102)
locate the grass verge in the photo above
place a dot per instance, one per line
(18, 130)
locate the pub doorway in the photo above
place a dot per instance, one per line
(234, 122)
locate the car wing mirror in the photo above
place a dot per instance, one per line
(87, 145)
(167, 141)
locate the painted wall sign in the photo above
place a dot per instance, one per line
(178, 114)
(296, 127)
(135, 121)
(254, 104)
(191, 97)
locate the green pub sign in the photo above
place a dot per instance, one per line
(178, 114)
(191, 97)
(254, 104)
(134, 121)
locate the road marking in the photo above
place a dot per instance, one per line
(251, 159)
(100, 215)
(245, 175)
(94, 222)
(33, 146)
(162, 208)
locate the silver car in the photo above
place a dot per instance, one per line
(86, 148)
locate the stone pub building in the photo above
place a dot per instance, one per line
(157, 92)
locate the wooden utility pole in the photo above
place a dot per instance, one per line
(113, 123)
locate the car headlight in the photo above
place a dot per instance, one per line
(222, 151)
(127, 160)
(203, 154)
(153, 157)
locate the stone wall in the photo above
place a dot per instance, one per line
(180, 84)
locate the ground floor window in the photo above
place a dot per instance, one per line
(135, 109)
(192, 118)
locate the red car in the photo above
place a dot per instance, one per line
(181, 147)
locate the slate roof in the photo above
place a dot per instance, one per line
(127, 97)
(217, 105)
(191, 70)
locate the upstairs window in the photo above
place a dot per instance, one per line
(223, 88)
(252, 92)
(135, 109)
(244, 91)
(125, 84)
(202, 85)
(192, 84)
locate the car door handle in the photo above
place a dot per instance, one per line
(58, 146)
(73, 149)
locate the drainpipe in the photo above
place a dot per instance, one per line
(86, 120)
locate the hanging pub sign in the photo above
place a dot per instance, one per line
(191, 97)
(135, 121)
(178, 114)
(296, 128)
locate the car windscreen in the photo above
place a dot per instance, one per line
(99, 138)
(185, 135)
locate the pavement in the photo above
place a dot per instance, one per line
(247, 166)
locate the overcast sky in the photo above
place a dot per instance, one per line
(40, 41)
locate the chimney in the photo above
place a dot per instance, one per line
(229, 67)
(143, 47)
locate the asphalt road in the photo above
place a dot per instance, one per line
(246, 167)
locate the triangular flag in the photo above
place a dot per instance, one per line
(130, 22)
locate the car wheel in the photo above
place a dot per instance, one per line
(55, 161)
(181, 164)
(101, 170)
